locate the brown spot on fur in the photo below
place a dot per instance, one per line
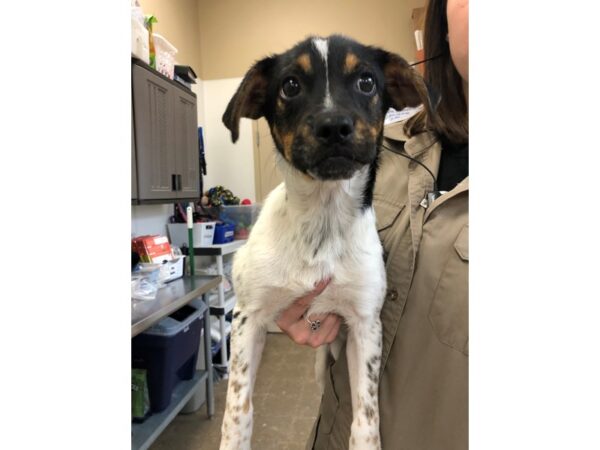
(246, 406)
(372, 390)
(236, 386)
(236, 420)
(369, 412)
(353, 441)
(304, 61)
(350, 63)
(244, 368)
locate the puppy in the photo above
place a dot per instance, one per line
(325, 102)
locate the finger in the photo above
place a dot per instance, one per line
(318, 337)
(297, 309)
(334, 330)
(294, 313)
(300, 331)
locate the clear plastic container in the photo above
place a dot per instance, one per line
(165, 56)
(242, 216)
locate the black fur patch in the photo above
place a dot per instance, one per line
(294, 120)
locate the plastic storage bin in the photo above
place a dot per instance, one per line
(140, 45)
(168, 351)
(224, 232)
(165, 56)
(203, 234)
(243, 217)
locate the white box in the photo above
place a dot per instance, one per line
(140, 41)
(172, 270)
(203, 234)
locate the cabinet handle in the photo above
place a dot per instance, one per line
(179, 183)
(173, 182)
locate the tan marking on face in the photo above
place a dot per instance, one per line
(280, 105)
(350, 63)
(360, 130)
(374, 100)
(373, 131)
(286, 140)
(246, 406)
(304, 61)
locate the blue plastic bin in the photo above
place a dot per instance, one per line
(168, 351)
(224, 232)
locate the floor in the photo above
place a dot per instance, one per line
(286, 401)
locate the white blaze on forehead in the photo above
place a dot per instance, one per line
(322, 47)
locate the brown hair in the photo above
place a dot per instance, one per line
(450, 117)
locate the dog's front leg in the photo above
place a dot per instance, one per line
(363, 351)
(247, 343)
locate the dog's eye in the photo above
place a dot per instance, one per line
(290, 87)
(366, 83)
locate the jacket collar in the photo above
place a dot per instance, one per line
(425, 148)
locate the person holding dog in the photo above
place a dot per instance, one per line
(421, 204)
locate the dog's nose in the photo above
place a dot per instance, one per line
(332, 128)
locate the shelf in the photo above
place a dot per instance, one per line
(219, 249)
(216, 309)
(145, 313)
(144, 434)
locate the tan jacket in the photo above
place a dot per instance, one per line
(423, 393)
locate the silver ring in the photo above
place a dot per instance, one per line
(314, 324)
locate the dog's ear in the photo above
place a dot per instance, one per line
(250, 97)
(404, 86)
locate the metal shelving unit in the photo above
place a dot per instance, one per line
(144, 434)
(224, 303)
(144, 314)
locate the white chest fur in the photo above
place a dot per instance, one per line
(308, 231)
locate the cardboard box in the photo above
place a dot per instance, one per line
(152, 249)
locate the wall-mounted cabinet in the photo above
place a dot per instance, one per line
(165, 159)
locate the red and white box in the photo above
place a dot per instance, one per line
(152, 249)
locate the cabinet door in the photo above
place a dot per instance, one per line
(186, 144)
(154, 137)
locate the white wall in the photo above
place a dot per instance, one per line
(150, 219)
(198, 89)
(230, 165)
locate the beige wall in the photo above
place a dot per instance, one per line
(178, 23)
(235, 33)
(222, 38)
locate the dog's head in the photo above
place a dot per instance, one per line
(325, 101)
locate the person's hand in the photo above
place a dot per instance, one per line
(293, 323)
